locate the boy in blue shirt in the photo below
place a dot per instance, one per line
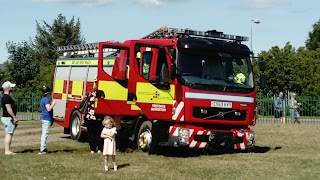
(46, 117)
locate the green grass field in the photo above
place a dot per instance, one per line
(283, 152)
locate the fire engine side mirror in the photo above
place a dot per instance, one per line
(100, 94)
(262, 65)
(262, 81)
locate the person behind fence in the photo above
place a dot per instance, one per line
(109, 133)
(278, 108)
(294, 109)
(46, 106)
(93, 123)
(9, 116)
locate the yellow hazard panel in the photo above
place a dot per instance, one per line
(113, 90)
(64, 97)
(58, 86)
(147, 93)
(134, 107)
(77, 87)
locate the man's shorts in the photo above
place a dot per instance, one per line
(9, 124)
(277, 114)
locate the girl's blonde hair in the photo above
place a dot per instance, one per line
(108, 120)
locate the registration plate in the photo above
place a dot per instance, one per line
(221, 104)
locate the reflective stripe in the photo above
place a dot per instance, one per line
(231, 98)
(82, 62)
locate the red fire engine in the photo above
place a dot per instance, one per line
(174, 87)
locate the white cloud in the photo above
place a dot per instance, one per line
(95, 3)
(85, 3)
(264, 4)
(157, 3)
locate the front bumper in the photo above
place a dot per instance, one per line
(198, 137)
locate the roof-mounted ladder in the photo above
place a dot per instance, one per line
(82, 49)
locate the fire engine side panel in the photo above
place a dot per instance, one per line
(59, 91)
(73, 80)
(155, 103)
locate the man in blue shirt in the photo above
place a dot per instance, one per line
(278, 108)
(46, 117)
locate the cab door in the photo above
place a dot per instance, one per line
(149, 83)
(112, 80)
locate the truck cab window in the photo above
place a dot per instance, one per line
(162, 72)
(146, 62)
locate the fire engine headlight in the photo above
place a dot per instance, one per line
(250, 136)
(183, 135)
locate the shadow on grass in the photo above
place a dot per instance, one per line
(66, 137)
(258, 149)
(83, 138)
(122, 166)
(63, 150)
(180, 152)
(174, 152)
(49, 152)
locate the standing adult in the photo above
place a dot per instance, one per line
(9, 118)
(93, 124)
(46, 117)
(294, 109)
(278, 108)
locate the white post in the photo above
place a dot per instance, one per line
(256, 21)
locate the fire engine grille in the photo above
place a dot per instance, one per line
(219, 113)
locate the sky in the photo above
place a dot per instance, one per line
(281, 21)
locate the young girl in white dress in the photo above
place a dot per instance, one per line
(109, 149)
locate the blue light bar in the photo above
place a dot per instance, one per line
(209, 33)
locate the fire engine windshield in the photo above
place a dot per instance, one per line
(218, 71)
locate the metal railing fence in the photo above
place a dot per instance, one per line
(28, 108)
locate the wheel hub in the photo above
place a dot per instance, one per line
(145, 140)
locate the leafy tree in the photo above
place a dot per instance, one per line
(60, 33)
(31, 64)
(292, 70)
(313, 42)
(278, 68)
(21, 66)
(45, 77)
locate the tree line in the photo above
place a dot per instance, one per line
(31, 63)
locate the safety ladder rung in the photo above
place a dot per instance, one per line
(78, 47)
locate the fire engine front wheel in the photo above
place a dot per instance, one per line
(145, 141)
(75, 122)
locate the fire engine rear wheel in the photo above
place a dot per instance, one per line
(75, 122)
(145, 141)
